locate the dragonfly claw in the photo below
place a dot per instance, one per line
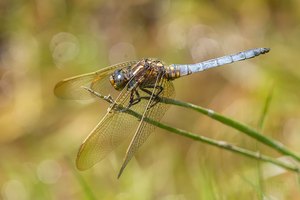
(107, 98)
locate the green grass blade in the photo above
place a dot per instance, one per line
(261, 189)
(220, 144)
(265, 109)
(236, 125)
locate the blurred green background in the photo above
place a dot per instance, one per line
(42, 42)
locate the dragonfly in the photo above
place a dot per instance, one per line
(136, 85)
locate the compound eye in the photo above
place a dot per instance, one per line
(118, 80)
(119, 77)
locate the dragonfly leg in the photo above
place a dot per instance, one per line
(107, 98)
(134, 100)
(156, 95)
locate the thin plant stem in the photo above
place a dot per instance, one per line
(221, 144)
(261, 188)
(236, 125)
(265, 109)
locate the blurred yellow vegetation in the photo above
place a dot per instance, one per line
(42, 42)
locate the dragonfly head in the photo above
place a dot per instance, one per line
(119, 79)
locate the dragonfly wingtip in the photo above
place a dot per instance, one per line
(57, 88)
(120, 172)
(122, 169)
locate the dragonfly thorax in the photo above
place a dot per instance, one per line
(143, 73)
(119, 79)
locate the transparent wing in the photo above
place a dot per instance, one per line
(111, 131)
(71, 88)
(145, 129)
